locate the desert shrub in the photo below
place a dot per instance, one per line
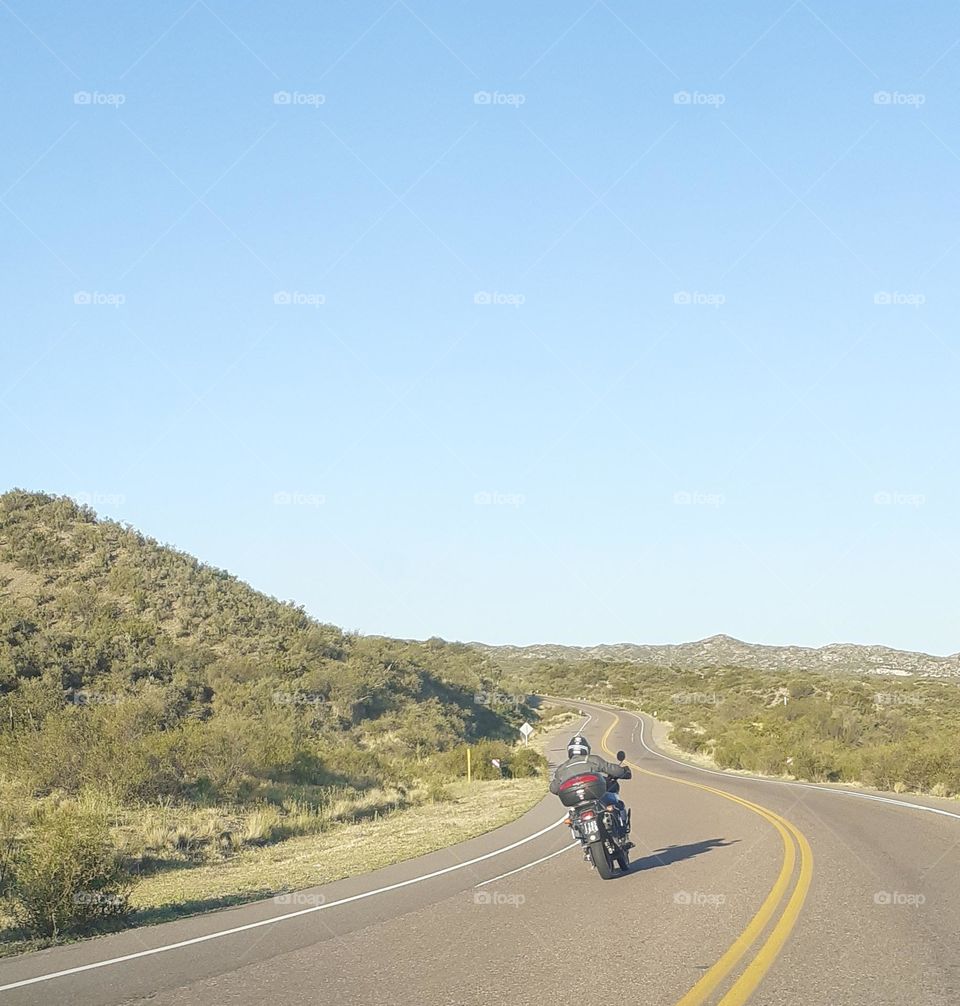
(66, 875)
(438, 793)
(526, 761)
(687, 738)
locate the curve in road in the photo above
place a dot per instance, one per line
(710, 912)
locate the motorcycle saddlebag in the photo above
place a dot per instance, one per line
(581, 788)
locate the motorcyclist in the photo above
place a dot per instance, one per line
(580, 760)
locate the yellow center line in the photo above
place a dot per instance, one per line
(747, 983)
(755, 971)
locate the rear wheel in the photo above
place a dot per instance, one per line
(601, 860)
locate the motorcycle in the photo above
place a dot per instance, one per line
(596, 822)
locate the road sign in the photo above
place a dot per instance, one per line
(526, 730)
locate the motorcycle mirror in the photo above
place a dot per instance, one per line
(621, 755)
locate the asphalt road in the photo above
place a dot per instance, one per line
(741, 889)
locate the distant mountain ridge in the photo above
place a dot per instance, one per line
(725, 651)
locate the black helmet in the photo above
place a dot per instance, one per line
(578, 745)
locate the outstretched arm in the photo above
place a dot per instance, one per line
(617, 771)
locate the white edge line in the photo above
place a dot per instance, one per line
(520, 869)
(276, 918)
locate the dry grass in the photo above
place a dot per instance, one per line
(209, 872)
(341, 851)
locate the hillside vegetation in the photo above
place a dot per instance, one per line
(169, 711)
(898, 734)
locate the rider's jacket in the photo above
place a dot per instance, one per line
(580, 764)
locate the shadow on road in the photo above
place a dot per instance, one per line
(676, 853)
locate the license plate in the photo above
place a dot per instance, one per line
(590, 827)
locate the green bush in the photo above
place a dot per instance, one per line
(525, 762)
(66, 875)
(438, 793)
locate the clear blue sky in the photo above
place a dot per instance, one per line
(655, 338)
